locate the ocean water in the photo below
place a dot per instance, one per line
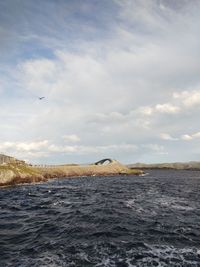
(151, 220)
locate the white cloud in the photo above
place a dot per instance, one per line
(196, 135)
(188, 98)
(71, 138)
(32, 150)
(32, 146)
(186, 137)
(189, 137)
(38, 68)
(179, 103)
(167, 108)
(147, 111)
(166, 136)
(24, 146)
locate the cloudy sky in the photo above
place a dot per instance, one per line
(121, 79)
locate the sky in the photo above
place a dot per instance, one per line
(121, 79)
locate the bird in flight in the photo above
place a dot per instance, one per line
(40, 98)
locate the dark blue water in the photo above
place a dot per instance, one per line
(103, 221)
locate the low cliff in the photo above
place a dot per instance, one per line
(11, 174)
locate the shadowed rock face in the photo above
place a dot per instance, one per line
(12, 173)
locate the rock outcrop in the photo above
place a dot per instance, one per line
(13, 173)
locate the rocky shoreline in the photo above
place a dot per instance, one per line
(13, 174)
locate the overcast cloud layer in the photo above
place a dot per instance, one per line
(121, 79)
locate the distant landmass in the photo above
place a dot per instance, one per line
(191, 165)
(14, 171)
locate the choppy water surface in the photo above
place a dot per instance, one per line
(103, 221)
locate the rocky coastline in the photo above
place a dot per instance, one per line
(13, 173)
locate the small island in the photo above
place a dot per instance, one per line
(14, 171)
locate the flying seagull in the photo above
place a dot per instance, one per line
(40, 98)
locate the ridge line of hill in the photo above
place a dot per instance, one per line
(191, 165)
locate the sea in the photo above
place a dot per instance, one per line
(123, 221)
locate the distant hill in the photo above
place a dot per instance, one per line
(191, 165)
